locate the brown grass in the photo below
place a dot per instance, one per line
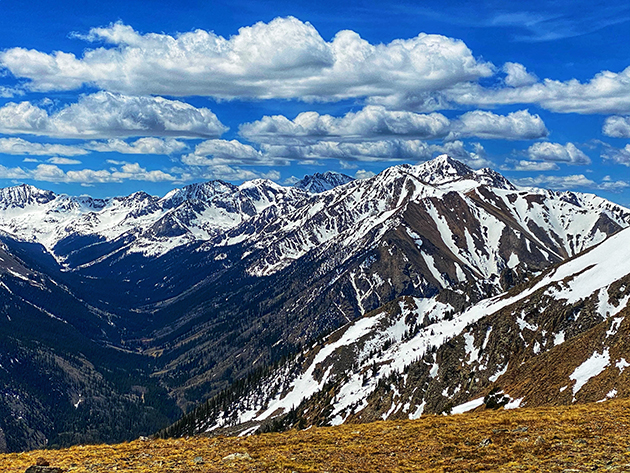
(587, 437)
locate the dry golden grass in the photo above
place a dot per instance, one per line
(588, 437)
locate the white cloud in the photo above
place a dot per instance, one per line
(147, 145)
(370, 122)
(363, 174)
(219, 152)
(18, 146)
(272, 175)
(8, 92)
(577, 181)
(376, 123)
(556, 152)
(288, 58)
(376, 151)
(13, 173)
(63, 161)
(231, 173)
(522, 165)
(517, 75)
(289, 181)
(619, 156)
(607, 93)
(53, 173)
(520, 125)
(617, 127)
(105, 115)
(285, 58)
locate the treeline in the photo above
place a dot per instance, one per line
(227, 403)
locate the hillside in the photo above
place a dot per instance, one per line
(584, 437)
(567, 328)
(173, 300)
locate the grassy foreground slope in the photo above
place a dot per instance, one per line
(583, 437)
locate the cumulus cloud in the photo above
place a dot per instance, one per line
(556, 152)
(379, 151)
(617, 127)
(376, 123)
(285, 58)
(9, 92)
(147, 145)
(107, 115)
(520, 125)
(372, 122)
(18, 146)
(523, 165)
(619, 156)
(606, 93)
(517, 75)
(219, 152)
(577, 181)
(53, 173)
(230, 173)
(289, 181)
(13, 173)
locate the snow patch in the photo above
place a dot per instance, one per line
(418, 412)
(514, 404)
(513, 261)
(622, 364)
(498, 374)
(467, 406)
(592, 367)
(558, 338)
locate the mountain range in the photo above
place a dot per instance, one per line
(425, 289)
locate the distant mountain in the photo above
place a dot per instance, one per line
(321, 182)
(149, 225)
(212, 286)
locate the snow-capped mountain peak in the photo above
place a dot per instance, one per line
(445, 170)
(441, 170)
(321, 182)
(23, 195)
(287, 222)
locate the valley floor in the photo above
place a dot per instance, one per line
(587, 437)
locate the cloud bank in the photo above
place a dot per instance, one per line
(53, 173)
(576, 181)
(556, 152)
(108, 115)
(377, 123)
(285, 58)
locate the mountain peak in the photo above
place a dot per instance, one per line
(24, 194)
(320, 182)
(445, 169)
(442, 169)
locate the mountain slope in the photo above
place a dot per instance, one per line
(559, 339)
(587, 437)
(213, 284)
(61, 381)
(149, 225)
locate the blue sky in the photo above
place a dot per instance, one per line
(107, 98)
